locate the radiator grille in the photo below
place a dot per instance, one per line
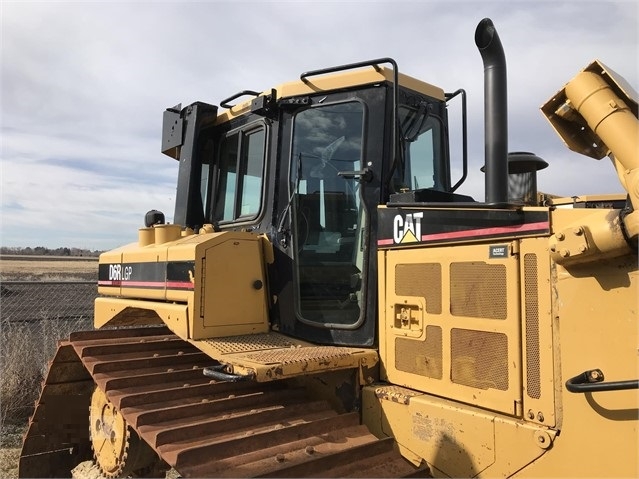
(478, 290)
(533, 375)
(479, 359)
(421, 357)
(423, 280)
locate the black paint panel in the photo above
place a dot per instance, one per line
(160, 275)
(454, 225)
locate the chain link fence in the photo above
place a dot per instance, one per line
(34, 316)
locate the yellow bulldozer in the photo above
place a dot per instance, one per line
(326, 304)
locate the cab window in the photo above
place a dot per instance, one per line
(240, 175)
(421, 135)
(328, 214)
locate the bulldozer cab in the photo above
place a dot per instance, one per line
(307, 164)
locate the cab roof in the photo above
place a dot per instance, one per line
(335, 81)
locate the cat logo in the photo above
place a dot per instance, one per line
(408, 229)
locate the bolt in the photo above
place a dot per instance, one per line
(309, 450)
(531, 414)
(565, 253)
(540, 417)
(541, 439)
(560, 236)
(280, 458)
(583, 248)
(595, 375)
(553, 247)
(578, 231)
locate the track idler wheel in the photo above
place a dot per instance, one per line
(118, 450)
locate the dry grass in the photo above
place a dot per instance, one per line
(21, 363)
(32, 320)
(47, 270)
(10, 443)
(25, 350)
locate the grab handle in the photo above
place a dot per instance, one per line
(592, 381)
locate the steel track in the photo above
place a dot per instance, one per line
(200, 427)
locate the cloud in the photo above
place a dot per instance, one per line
(84, 85)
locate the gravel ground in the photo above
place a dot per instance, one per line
(86, 470)
(10, 444)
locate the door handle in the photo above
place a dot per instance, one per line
(365, 175)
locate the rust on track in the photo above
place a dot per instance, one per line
(199, 426)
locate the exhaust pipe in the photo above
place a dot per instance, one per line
(495, 112)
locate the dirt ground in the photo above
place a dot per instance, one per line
(10, 443)
(9, 462)
(88, 470)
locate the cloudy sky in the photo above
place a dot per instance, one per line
(84, 85)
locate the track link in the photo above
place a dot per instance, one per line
(200, 427)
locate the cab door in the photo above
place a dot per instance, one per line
(335, 150)
(328, 215)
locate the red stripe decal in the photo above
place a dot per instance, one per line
(148, 284)
(179, 285)
(488, 231)
(541, 225)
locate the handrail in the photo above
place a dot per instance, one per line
(225, 103)
(592, 381)
(375, 64)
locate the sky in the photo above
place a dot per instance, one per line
(84, 85)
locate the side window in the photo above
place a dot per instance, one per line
(422, 149)
(240, 172)
(421, 157)
(251, 172)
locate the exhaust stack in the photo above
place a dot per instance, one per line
(495, 112)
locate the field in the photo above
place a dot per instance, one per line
(42, 299)
(47, 268)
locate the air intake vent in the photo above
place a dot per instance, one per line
(479, 359)
(421, 357)
(478, 290)
(422, 280)
(533, 379)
